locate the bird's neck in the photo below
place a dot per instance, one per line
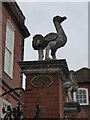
(58, 27)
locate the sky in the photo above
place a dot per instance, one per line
(39, 17)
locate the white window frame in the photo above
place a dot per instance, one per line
(87, 99)
(9, 69)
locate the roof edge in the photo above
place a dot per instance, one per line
(17, 16)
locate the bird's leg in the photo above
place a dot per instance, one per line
(53, 54)
(54, 57)
(47, 49)
(66, 97)
(40, 54)
(69, 96)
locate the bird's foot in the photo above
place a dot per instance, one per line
(47, 58)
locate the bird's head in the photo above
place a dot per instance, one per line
(59, 19)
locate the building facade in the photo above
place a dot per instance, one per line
(47, 101)
(83, 93)
(13, 32)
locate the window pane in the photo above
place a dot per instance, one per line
(80, 92)
(81, 101)
(85, 101)
(84, 96)
(6, 104)
(9, 37)
(84, 92)
(7, 61)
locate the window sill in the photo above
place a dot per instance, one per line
(11, 78)
(85, 106)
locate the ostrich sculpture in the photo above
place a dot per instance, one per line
(70, 86)
(56, 40)
(51, 41)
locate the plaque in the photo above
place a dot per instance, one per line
(42, 81)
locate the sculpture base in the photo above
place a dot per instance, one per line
(71, 108)
(44, 87)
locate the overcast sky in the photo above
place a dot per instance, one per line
(39, 17)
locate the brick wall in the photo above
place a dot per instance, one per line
(85, 109)
(11, 11)
(48, 98)
(0, 40)
(18, 46)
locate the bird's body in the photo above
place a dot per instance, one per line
(70, 86)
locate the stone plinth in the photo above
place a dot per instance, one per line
(48, 94)
(71, 108)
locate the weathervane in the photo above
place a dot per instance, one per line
(51, 41)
